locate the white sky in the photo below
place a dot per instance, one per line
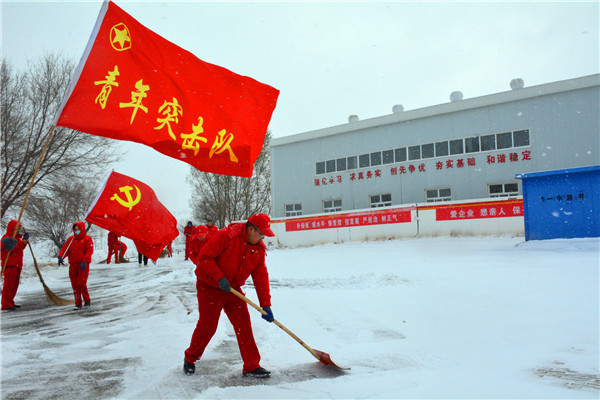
(333, 59)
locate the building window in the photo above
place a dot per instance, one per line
(320, 167)
(381, 200)
(504, 190)
(332, 205)
(441, 149)
(504, 140)
(456, 146)
(472, 144)
(341, 164)
(330, 166)
(352, 162)
(414, 152)
(400, 154)
(363, 161)
(521, 138)
(293, 210)
(388, 156)
(427, 150)
(376, 158)
(488, 142)
(436, 195)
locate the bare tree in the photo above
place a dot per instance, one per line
(230, 198)
(30, 101)
(51, 216)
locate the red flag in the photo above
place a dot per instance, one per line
(130, 208)
(132, 84)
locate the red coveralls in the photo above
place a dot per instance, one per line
(80, 248)
(122, 250)
(12, 271)
(228, 254)
(212, 230)
(188, 231)
(197, 241)
(113, 247)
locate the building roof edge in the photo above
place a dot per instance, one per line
(445, 108)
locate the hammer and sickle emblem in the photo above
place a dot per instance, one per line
(130, 203)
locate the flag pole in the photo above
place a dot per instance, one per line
(14, 234)
(74, 79)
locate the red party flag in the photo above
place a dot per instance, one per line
(132, 84)
(130, 208)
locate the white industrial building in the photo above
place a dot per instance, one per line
(462, 150)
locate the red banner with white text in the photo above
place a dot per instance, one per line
(363, 218)
(492, 209)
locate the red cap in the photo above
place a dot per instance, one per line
(262, 222)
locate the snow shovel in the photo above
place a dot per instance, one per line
(319, 355)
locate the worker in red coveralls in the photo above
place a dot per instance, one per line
(79, 249)
(201, 237)
(226, 261)
(197, 241)
(113, 247)
(170, 249)
(212, 228)
(12, 269)
(188, 231)
(122, 250)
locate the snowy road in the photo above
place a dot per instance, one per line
(422, 318)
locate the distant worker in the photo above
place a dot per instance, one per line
(122, 250)
(12, 268)
(188, 231)
(113, 247)
(79, 249)
(198, 241)
(140, 257)
(170, 249)
(212, 228)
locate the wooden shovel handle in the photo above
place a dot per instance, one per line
(259, 309)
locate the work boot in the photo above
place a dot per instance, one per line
(188, 368)
(259, 372)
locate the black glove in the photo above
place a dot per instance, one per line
(224, 285)
(60, 261)
(82, 265)
(269, 314)
(9, 243)
(26, 236)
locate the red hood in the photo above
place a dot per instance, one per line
(81, 226)
(10, 228)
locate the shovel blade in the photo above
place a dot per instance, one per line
(326, 359)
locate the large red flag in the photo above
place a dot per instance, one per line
(130, 208)
(132, 84)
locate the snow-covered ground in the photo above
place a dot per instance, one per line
(419, 318)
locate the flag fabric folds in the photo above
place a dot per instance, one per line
(130, 208)
(132, 84)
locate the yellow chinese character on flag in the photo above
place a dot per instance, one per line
(171, 111)
(111, 80)
(136, 99)
(222, 143)
(190, 140)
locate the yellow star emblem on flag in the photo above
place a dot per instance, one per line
(120, 38)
